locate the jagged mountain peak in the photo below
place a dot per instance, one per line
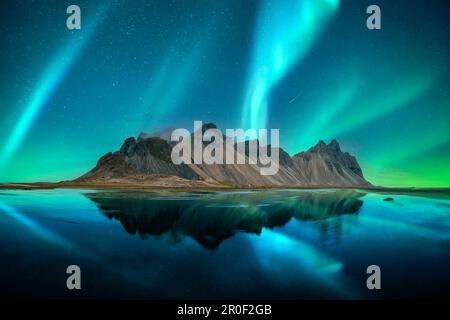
(334, 145)
(321, 165)
(162, 134)
(327, 163)
(322, 147)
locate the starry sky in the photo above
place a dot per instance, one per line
(308, 67)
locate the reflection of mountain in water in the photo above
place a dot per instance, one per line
(212, 218)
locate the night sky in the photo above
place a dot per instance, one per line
(308, 67)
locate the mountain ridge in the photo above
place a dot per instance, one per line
(142, 157)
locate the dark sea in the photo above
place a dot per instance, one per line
(274, 244)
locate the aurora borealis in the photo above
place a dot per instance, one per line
(310, 68)
(281, 39)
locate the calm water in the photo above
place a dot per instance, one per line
(262, 244)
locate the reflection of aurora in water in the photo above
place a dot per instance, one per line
(215, 217)
(249, 244)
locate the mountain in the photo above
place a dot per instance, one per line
(327, 165)
(147, 157)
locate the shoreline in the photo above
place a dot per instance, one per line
(199, 188)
